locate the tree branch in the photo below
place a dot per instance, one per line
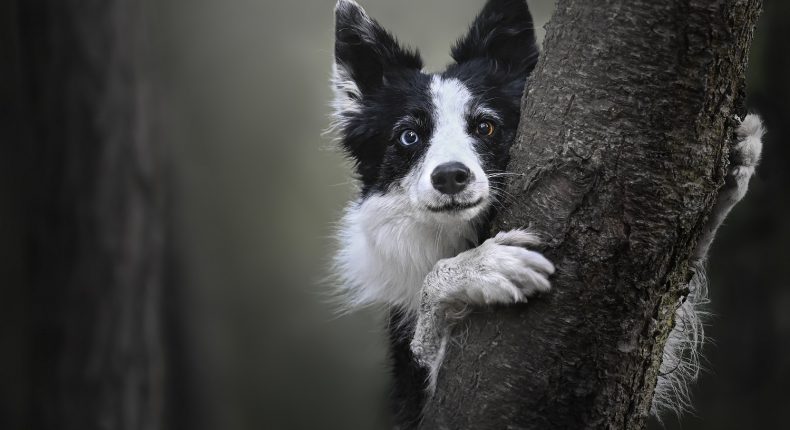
(622, 146)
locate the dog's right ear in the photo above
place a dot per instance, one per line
(365, 53)
(503, 32)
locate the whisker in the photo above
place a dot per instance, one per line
(506, 195)
(505, 199)
(501, 174)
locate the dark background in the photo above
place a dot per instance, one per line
(241, 88)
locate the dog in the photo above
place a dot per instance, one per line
(430, 152)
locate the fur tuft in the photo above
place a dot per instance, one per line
(347, 98)
(680, 365)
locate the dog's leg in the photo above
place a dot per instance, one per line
(680, 361)
(744, 156)
(500, 271)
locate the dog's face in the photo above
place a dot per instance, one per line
(437, 144)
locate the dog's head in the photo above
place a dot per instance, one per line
(436, 143)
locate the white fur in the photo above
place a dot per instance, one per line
(500, 271)
(346, 92)
(346, 98)
(387, 246)
(680, 361)
(450, 142)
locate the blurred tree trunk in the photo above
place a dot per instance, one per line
(96, 207)
(622, 146)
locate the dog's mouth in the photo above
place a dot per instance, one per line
(455, 206)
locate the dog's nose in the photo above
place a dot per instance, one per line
(451, 178)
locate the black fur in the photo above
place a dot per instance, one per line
(408, 392)
(368, 51)
(503, 32)
(392, 85)
(372, 135)
(493, 61)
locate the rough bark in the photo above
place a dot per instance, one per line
(96, 216)
(623, 144)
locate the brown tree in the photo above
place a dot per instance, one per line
(622, 147)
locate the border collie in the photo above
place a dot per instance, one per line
(430, 152)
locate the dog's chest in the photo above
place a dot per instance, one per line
(385, 253)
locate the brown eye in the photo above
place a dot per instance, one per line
(485, 128)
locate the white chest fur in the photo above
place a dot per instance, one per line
(386, 250)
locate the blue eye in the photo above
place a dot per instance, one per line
(409, 138)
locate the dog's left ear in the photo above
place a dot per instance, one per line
(366, 55)
(503, 32)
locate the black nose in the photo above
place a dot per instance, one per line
(451, 178)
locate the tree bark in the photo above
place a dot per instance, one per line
(96, 216)
(622, 146)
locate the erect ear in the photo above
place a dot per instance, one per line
(503, 32)
(364, 52)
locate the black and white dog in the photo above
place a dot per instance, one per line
(429, 151)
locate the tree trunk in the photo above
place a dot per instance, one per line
(96, 216)
(623, 144)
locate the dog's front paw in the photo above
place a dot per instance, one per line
(747, 150)
(744, 156)
(502, 270)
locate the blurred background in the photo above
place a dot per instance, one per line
(235, 93)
